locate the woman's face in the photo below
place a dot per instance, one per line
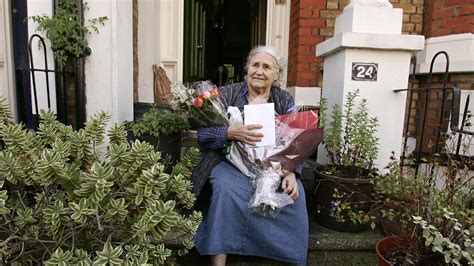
(262, 71)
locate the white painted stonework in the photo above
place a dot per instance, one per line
(108, 70)
(6, 57)
(160, 42)
(367, 44)
(460, 48)
(305, 95)
(368, 3)
(383, 20)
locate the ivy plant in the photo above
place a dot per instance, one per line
(66, 32)
(68, 197)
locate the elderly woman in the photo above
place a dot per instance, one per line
(229, 226)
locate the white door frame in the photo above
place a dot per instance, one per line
(278, 29)
(7, 86)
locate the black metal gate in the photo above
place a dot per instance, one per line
(448, 113)
(70, 98)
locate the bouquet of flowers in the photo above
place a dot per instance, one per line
(297, 137)
(201, 101)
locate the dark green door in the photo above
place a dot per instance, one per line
(194, 40)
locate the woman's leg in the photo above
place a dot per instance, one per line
(218, 260)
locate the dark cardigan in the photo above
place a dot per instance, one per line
(233, 95)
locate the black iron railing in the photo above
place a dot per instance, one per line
(455, 106)
(70, 98)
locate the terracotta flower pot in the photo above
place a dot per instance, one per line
(390, 243)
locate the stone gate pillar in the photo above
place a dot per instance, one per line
(369, 53)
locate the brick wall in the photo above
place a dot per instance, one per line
(305, 24)
(312, 21)
(445, 17)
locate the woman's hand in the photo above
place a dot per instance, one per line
(290, 186)
(245, 133)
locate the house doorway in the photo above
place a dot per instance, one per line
(218, 35)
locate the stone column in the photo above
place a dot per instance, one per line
(369, 53)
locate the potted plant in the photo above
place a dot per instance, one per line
(351, 146)
(433, 211)
(163, 129)
(66, 31)
(66, 197)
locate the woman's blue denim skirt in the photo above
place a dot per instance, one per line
(230, 227)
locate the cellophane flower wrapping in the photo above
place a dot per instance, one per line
(297, 137)
(202, 103)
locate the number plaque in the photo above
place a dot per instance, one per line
(364, 71)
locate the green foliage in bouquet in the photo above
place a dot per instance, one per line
(155, 122)
(349, 137)
(68, 198)
(66, 32)
(202, 102)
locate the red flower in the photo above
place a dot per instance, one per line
(198, 102)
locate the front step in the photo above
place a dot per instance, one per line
(325, 247)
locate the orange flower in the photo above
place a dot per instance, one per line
(214, 91)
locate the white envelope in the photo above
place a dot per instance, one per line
(264, 115)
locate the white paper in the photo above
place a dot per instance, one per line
(264, 115)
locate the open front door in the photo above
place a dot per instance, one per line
(218, 34)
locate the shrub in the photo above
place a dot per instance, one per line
(156, 122)
(68, 198)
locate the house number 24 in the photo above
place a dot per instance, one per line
(364, 71)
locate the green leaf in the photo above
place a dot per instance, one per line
(109, 254)
(59, 257)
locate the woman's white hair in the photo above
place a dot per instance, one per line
(275, 53)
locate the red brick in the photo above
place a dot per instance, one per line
(450, 22)
(448, 3)
(441, 32)
(306, 13)
(443, 13)
(305, 31)
(313, 66)
(464, 28)
(304, 49)
(312, 4)
(312, 23)
(308, 40)
(305, 82)
(316, 13)
(302, 67)
(306, 58)
(307, 75)
(466, 10)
